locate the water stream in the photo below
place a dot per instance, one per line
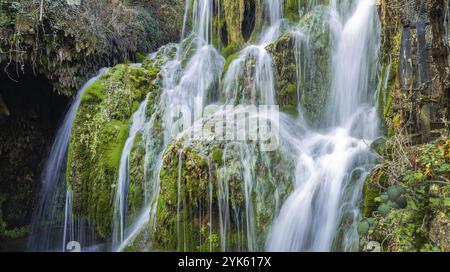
(331, 160)
(50, 206)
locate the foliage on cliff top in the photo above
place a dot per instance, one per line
(66, 41)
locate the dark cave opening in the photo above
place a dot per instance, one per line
(30, 111)
(248, 24)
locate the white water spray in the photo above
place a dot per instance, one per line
(327, 187)
(52, 193)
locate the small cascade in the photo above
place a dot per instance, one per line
(303, 64)
(203, 13)
(50, 206)
(332, 165)
(182, 91)
(275, 8)
(78, 233)
(261, 90)
(354, 58)
(120, 202)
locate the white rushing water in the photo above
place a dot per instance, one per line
(310, 218)
(120, 202)
(182, 90)
(330, 161)
(52, 192)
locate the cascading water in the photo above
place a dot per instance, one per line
(275, 8)
(120, 203)
(51, 198)
(332, 165)
(327, 163)
(182, 88)
(263, 87)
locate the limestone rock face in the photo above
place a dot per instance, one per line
(415, 99)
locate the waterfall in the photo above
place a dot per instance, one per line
(182, 89)
(275, 8)
(331, 162)
(353, 59)
(263, 87)
(50, 204)
(203, 11)
(327, 186)
(326, 164)
(120, 202)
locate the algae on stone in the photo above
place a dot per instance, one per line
(98, 135)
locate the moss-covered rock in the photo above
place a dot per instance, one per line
(183, 189)
(135, 197)
(304, 83)
(210, 191)
(241, 20)
(284, 60)
(99, 132)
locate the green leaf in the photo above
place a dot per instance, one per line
(447, 202)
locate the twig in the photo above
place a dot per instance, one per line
(41, 10)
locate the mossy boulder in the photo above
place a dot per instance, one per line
(99, 132)
(304, 83)
(135, 198)
(201, 182)
(363, 228)
(184, 187)
(294, 9)
(284, 60)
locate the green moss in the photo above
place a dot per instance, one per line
(95, 92)
(230, 50)
(98, 136)
(135, 199)
(217, 155)
(179, 199)
(233, 12)
(230, 60)
(113, 151)
(181, 222)
(183, 208)
(313, 87)
(140, 57)
(370, 193)
(386, 94)
(291, 10)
